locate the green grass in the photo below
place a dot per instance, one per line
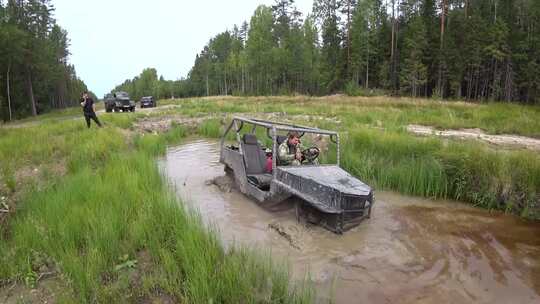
(470, 172)
(387, 112)
(210, 128)
(113, 205)
(394, 161)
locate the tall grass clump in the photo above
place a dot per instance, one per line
(394, 161)
(96, 224)
(156, 144)
(123, 120)
(210, 128)
(466, 171)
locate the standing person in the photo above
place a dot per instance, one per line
(89, 110)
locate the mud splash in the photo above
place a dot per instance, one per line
(411, 250)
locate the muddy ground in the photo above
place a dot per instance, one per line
(411, 251)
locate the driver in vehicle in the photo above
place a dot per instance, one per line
(290, 150)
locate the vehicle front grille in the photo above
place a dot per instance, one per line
(353, 202)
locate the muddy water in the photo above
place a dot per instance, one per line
(411, 251)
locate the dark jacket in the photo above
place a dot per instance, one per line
(88, 105)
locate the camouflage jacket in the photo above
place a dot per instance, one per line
(286, 154)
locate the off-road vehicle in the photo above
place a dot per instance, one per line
(109, 100)
(326, 194)
(119, 101)
(148, 102)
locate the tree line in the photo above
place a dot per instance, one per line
(35, 75)
(149, 84)
(460, 49)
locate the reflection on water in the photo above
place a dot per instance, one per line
(411, 251)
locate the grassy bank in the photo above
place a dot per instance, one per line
(429, 167)
(109, 230)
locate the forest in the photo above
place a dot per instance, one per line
(35, 74)
(481, 50)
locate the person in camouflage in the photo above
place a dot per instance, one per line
(290, 151)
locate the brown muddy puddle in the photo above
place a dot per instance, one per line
(412, 250)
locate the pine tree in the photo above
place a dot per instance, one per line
(477, 50)
(331, 68)
(310, 57)
(413, 75)
(34, 71)
(259, 48)
(364, 28)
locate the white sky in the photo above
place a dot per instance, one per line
(113, 40)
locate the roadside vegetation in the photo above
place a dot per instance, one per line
(106, 228)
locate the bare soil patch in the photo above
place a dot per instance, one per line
(161, 124)
(503, 140)
(49, 290)
(11, 195)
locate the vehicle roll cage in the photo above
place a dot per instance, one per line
(272, 129)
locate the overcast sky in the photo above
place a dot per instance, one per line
(113, 40)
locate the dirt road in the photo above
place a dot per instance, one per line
(503, 140)
(30, 123)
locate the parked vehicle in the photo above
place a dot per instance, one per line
(109, 102)
(148, 102)
(119, 101)
(328, 195)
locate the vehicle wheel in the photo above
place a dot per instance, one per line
(108, 110)
(298, 211)
(310, 215)
(133, 109)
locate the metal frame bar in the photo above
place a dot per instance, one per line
(274, 152)
(237, 131)
(274, 127)
(284, 126)
(338, 157)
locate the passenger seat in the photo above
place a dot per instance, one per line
(255, 161)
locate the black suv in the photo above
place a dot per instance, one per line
(148, 102)
(119, 101)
